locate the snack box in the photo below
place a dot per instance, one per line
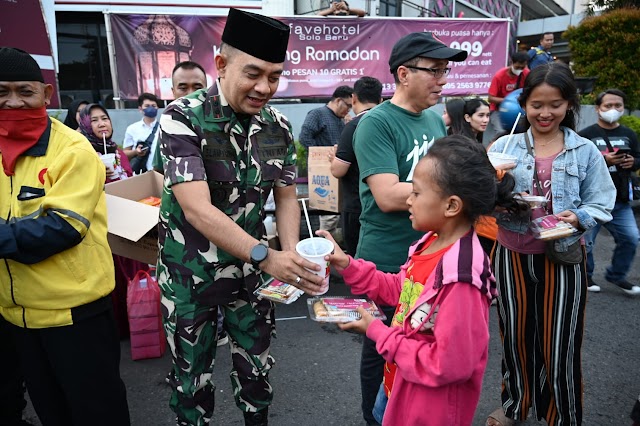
(278, 291)
(133, 224)
(551, 228)
(341, 309)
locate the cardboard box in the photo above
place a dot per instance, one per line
(133, 226)
(324, 188)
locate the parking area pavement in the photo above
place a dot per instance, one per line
(316, 378)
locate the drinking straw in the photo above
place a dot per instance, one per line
(513, 129)
(104, 142)
(306, 216)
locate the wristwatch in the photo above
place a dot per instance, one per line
(259, 253)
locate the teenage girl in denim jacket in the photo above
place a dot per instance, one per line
(541, 304)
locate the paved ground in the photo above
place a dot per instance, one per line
(316, 375)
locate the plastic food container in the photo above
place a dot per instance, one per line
(551, 228)
(341, 309)
(277, 291)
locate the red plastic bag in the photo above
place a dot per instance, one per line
(145, 317)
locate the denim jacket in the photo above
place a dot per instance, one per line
(580, 182)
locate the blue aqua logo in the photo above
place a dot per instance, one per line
(321, 192)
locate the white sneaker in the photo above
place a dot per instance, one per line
(592, 287)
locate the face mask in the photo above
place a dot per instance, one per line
(150, 112)
(20, 129)
(515, 71)
(610, 116)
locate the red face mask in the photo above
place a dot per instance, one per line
(20, 129)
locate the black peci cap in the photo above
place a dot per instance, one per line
(425, 45)
(18, 65)
(256, 35)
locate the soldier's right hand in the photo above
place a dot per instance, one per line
(288, 266)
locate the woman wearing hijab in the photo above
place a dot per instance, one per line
(95, 125)
(73, 113)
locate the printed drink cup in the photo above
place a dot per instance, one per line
(109, 161)
(314, 250)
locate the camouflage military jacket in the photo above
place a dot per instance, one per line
(202, 139)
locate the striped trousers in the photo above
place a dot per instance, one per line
(541, 309)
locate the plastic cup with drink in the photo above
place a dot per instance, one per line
(502, 160)
(314, 250)
(109, 161)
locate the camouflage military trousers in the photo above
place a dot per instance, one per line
(192, 336)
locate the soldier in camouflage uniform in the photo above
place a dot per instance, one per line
(224, 151)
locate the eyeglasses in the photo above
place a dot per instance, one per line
(436, 72)
(346, 103)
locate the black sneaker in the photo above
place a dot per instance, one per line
(257, 419)
(627, 287)
(592, 286)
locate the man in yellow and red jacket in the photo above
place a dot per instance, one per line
(56, 270)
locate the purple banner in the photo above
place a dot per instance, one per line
(323, 53)
(29, 36)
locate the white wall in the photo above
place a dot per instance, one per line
(578, 6)
(121, 118)
(554, 24)
(295, 112)
(277, 7)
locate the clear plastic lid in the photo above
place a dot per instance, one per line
(551, 228)
(341, 309)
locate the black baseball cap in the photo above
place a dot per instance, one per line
(425, 45)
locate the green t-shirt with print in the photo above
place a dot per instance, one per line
(390, 139)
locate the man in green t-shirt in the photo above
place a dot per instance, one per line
(388, 143)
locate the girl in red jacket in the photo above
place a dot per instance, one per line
(436, 349)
